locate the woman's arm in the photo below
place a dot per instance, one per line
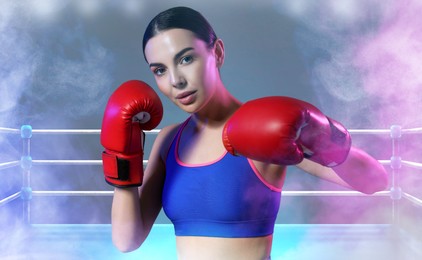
(359, 171)
(134, 210)
(125, 219)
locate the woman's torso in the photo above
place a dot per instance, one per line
(199, 148)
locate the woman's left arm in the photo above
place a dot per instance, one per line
(359, 171)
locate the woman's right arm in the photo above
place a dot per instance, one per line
(134, 210)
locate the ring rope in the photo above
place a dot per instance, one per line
(407, 196)
(154, 131)
(10, 198)
(416, 201)
(9, 164)
(284, 193)
(145, 162)
(64, 131)
(412, 164)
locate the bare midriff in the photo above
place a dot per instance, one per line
(204, 248)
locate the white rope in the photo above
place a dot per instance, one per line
(284, 193)
(64, 131)
(385, 162)
(71, 162)
(72, 193)
(413, 199)
(99, 162)
(9, 130)
(332, 193)
(79, 131)
(369, 131)
(412, 164)
(10, 198)
(412, 130)
(9, 164)
(155, 131)
(67, 162)
(409, 197)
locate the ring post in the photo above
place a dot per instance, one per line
(26, 165)
(395, 191)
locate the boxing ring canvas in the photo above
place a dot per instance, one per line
(386, 236)
(290, 242)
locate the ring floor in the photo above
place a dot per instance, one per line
(298, 242)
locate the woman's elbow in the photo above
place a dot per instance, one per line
(126, 248)
(379, 182)
(126, 245)
(376, 179)
(125, 242)
(363, 173)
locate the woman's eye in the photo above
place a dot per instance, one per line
(186, 59)
(159, 71)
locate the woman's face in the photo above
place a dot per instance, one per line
(186, 71)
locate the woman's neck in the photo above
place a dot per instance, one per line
(217, 111)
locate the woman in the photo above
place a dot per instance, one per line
(223, 206)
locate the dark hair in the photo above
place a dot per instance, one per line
(180, 18)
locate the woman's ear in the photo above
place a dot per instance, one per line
(219, 52)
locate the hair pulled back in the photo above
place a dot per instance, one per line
(180, 18)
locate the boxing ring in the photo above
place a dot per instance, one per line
(291, 241)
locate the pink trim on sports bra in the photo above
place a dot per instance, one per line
(258, 174)
(180, 162)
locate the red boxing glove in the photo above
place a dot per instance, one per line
(133, 107)
(283, 130)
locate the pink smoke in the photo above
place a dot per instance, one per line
(390, 62)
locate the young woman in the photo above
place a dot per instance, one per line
(223, 204)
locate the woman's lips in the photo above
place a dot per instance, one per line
(186, 98)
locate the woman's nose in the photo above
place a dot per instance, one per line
(177, 80)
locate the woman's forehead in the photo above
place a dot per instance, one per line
(169, 42)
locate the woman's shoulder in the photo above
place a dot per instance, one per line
(168, 131)
(165, 138)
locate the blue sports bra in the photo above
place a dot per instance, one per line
(223, 198)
